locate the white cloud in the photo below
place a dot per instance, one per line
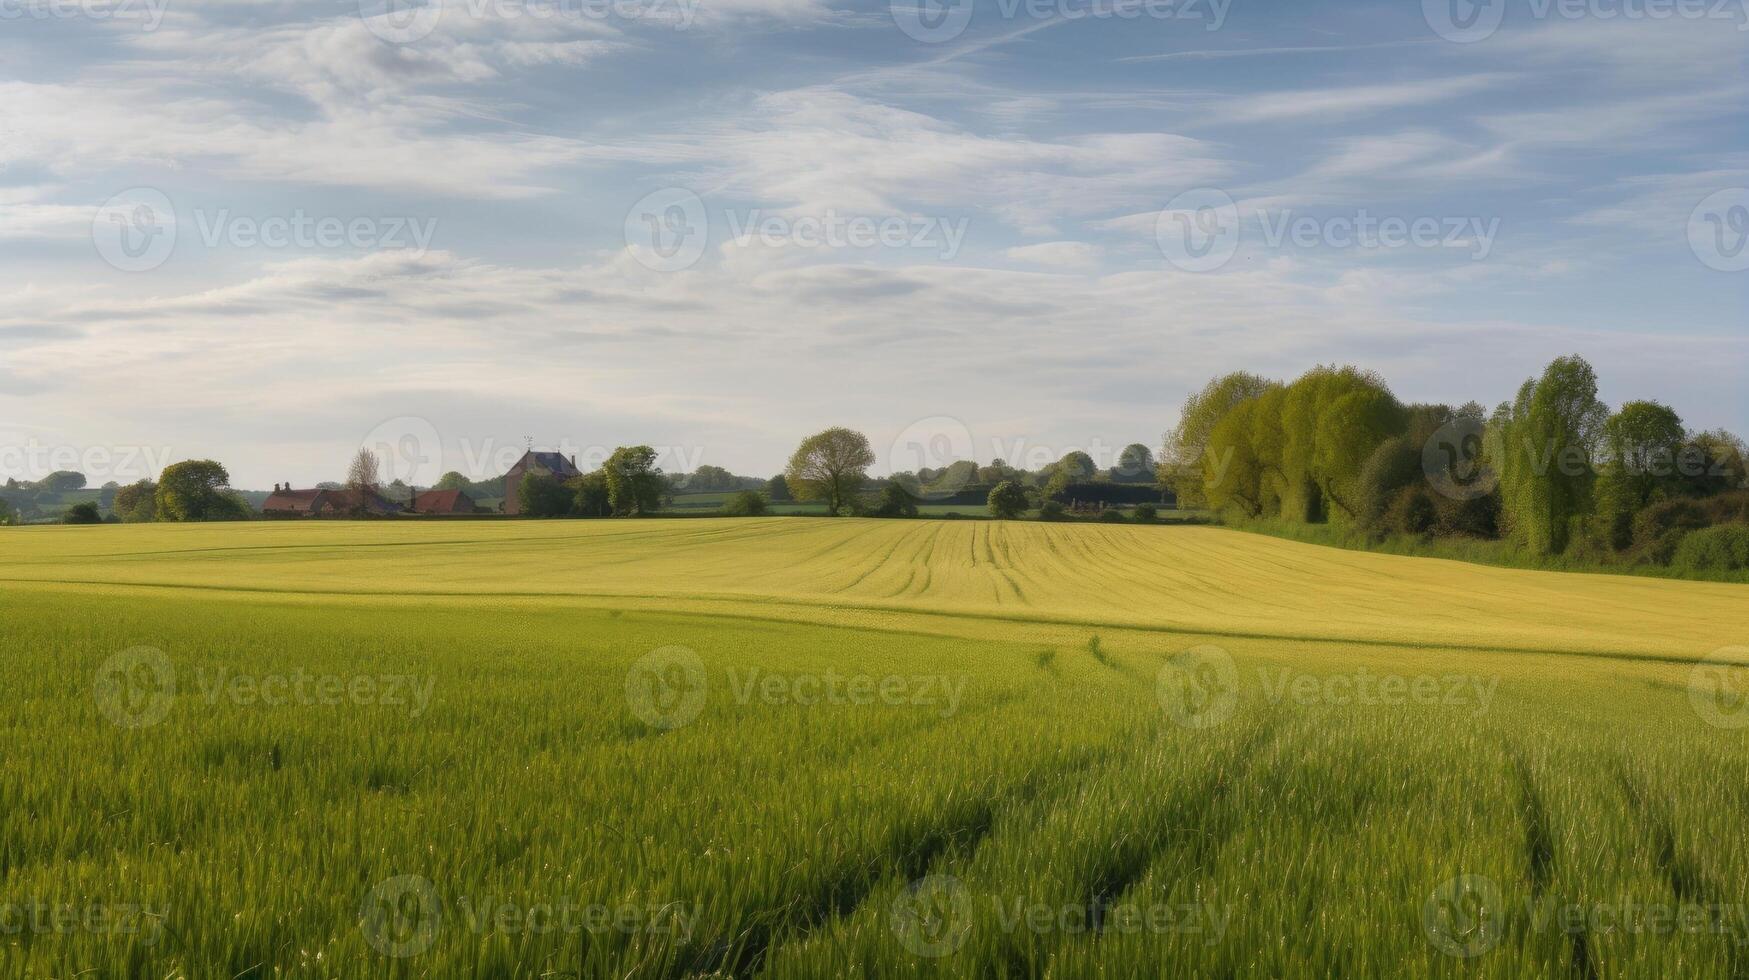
(1073, 256)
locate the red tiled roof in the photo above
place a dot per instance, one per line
(441, 502)
(295, 501)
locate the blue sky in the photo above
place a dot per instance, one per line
(1007, 228)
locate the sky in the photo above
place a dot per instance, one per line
(269, 232)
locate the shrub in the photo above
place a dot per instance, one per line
(1112, 515)
(1411, 512)
(1051, 510)
(1146, 512)
(895, 501)
(83, 513)
(747, 503)
(1658, 529)
(1007, 500)
(1715, 549)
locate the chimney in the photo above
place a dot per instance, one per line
(276, 488)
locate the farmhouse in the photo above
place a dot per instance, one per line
(442, 502)
(555, 465)
(286, 502)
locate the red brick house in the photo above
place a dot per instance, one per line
(554, 465)
(346, 502)
(442, 502)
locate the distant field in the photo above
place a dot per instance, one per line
(800, 748)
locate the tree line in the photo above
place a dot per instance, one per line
(1553, 472)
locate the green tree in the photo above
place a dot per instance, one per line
(590, 497)
(542, 495)
(62, 481)
(84, 512)
(635, 485)
(195, 490)
(1134, 465)
(1350, 428)
(452, 481)
(1642, 443)
(1007, 500)
(894, 501)
(830, 466)
(777, 489)
(134, 503)
(1181, 467)
(1549, 438)
(745, 503)
(1075, 467)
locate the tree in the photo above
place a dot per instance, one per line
(1549, 438)
(6, 514)
(134, 502)
(362, 473)
(635, 485)
(830, 466)
(590, 498)
(195, 490)
(452, 481)
(84, 512)
(62, 481)
(1134, 465)
(1181, 466)
(1007, 500)
(777, 489)
(542, 495)
(1642, 442)
(1349, 429)
(710, 478)
(895, 501)
(1075, 467)
(746, 503)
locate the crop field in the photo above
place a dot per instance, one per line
(797, 748)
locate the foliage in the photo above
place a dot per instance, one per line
(590, 497)
(1549, 440)
(1134, 465)
(1724, 548)
(894, 501)
(452, 480)
(363, 474)
(830, 466)
(745, 503)
(134, 503)
(777, 489)
(542, 495)
(1147, 512)
(635, 485)
(196, 490)
(84, 512)
(1052, 510)
(1182, 466)
(1007, 500)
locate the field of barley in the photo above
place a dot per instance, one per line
(798, 748)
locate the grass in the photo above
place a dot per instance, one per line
(798, 748)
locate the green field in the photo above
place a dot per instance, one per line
(798, 748)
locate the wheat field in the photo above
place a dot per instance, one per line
(801, 747)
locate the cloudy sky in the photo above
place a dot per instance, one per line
(268, 231)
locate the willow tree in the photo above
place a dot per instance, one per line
(1181, 467)
(1549, 438)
